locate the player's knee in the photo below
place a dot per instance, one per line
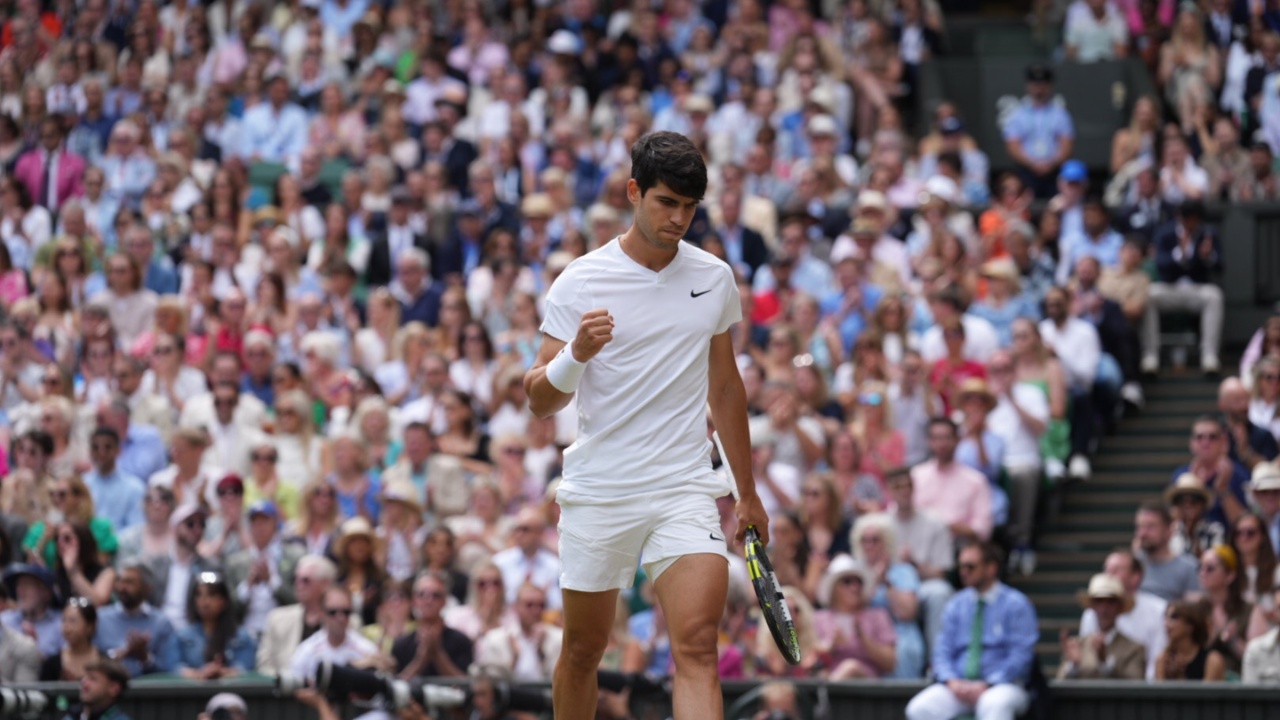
(583, 652)
(697, 646)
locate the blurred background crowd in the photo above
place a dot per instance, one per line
(271, 274)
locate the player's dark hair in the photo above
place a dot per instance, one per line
(672, 159)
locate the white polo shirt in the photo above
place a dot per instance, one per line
(641, 402)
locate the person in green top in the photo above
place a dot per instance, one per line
(70, 502)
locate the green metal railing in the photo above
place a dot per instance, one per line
(880, 700)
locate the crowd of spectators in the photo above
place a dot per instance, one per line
(271, 275)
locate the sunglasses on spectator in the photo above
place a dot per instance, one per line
(335, 612)
(429, 594)
(224, 492)
(263, 457)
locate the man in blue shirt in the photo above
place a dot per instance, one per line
(132, 631)
(32, 587)
(1099, 240)
(984, 653)
(142, 450)
(276, 130)
(1225, 478)
(1039, 133)
(117, 495)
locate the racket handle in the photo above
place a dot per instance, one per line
(724, 463)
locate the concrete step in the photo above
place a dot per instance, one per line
(1140, 458)
(1162, 441)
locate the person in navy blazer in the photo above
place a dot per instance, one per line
(69, 168)
(382, 254)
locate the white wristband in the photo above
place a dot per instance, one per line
(564, 372)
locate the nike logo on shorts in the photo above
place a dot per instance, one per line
(713, 537)
(693, 294)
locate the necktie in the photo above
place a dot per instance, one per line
(973, 658)
(45, 196)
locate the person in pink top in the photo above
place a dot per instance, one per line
(952, 492)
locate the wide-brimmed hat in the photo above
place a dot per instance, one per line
(840, 567)
(1266, 476)
(41, 574)
(1187, 484)
(185, 511)
(355, 527)
(976, 386)
(538, 205)
(1103, 586)
(1002, 269)
(404, 492)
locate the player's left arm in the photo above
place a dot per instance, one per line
(728, 400)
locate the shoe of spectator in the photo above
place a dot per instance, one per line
(1131, 393)
(1026, 561)
(1054, 469)
(1150, 364)
(1079, 468)
(1210, 365)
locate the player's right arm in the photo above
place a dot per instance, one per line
(594, 332)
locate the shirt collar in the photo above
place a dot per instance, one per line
(989, 597)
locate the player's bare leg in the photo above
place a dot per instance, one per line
(588, 618)
(692, 593)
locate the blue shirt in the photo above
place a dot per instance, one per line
(1038, 129)
(1001, 318)
(240, 652)
(114, 625)
(852, 324)
(424, 308)
(1239, 481)
(1105, 249)
(1009, 635)
(127, 178)
(48, 629)
(143, 453)
(349, 505)
(117, 497)
(263, 391)
(161, 278)
(342, 18)
(269, 135)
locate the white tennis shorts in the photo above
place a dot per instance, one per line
(601, 544)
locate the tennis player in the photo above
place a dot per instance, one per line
(638, 329)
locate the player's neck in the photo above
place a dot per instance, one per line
(640, 249)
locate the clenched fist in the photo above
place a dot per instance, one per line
(594, 332)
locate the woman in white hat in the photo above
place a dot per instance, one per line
(400, 529)
(355, 550)
(1189, 500)
(1004, 301)
(860, 639)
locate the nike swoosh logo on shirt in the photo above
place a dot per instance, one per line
(713, 537)
(693, 294)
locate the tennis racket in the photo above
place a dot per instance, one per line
(772, 604)
(768, 590)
